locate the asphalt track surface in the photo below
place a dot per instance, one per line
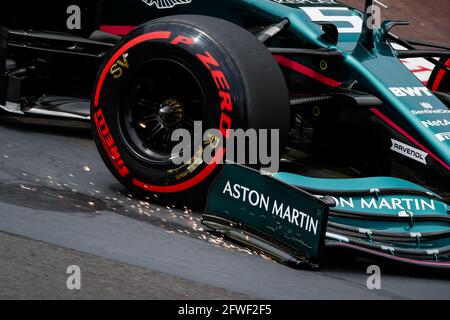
(59, 206)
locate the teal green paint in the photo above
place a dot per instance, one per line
(299, 233)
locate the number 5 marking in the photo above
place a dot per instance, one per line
(316, 14)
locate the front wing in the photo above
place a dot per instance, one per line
(293, 218)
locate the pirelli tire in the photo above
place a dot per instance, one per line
(233, 80)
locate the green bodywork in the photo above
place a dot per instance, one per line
(379, 195)
(380, 214)
(387, 205)
(385, 216)
(284, 214)
(376, 68)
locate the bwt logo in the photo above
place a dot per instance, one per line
(411, 91)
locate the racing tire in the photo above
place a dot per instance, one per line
(169, 73)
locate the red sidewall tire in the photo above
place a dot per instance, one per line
(205, 46)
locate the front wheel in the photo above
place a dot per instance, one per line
(169, 74)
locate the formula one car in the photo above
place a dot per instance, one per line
(337, 88)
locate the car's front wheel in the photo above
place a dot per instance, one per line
(168, 74)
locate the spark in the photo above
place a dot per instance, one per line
(27, 188)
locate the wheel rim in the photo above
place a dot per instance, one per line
(164, 97)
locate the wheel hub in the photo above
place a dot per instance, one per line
(163, 97)
(170, 113)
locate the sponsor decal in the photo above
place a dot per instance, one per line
(394, 126)
(118, 68)
(436, 123)
(444, 136)
(408, 151)
(411, 91)
(426, 105)
(276, 207)
(429, 109)
(109, 143)
(281, 212)
(223, 86)
(165, 4)
(385, 203)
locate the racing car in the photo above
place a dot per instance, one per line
(337, 89)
